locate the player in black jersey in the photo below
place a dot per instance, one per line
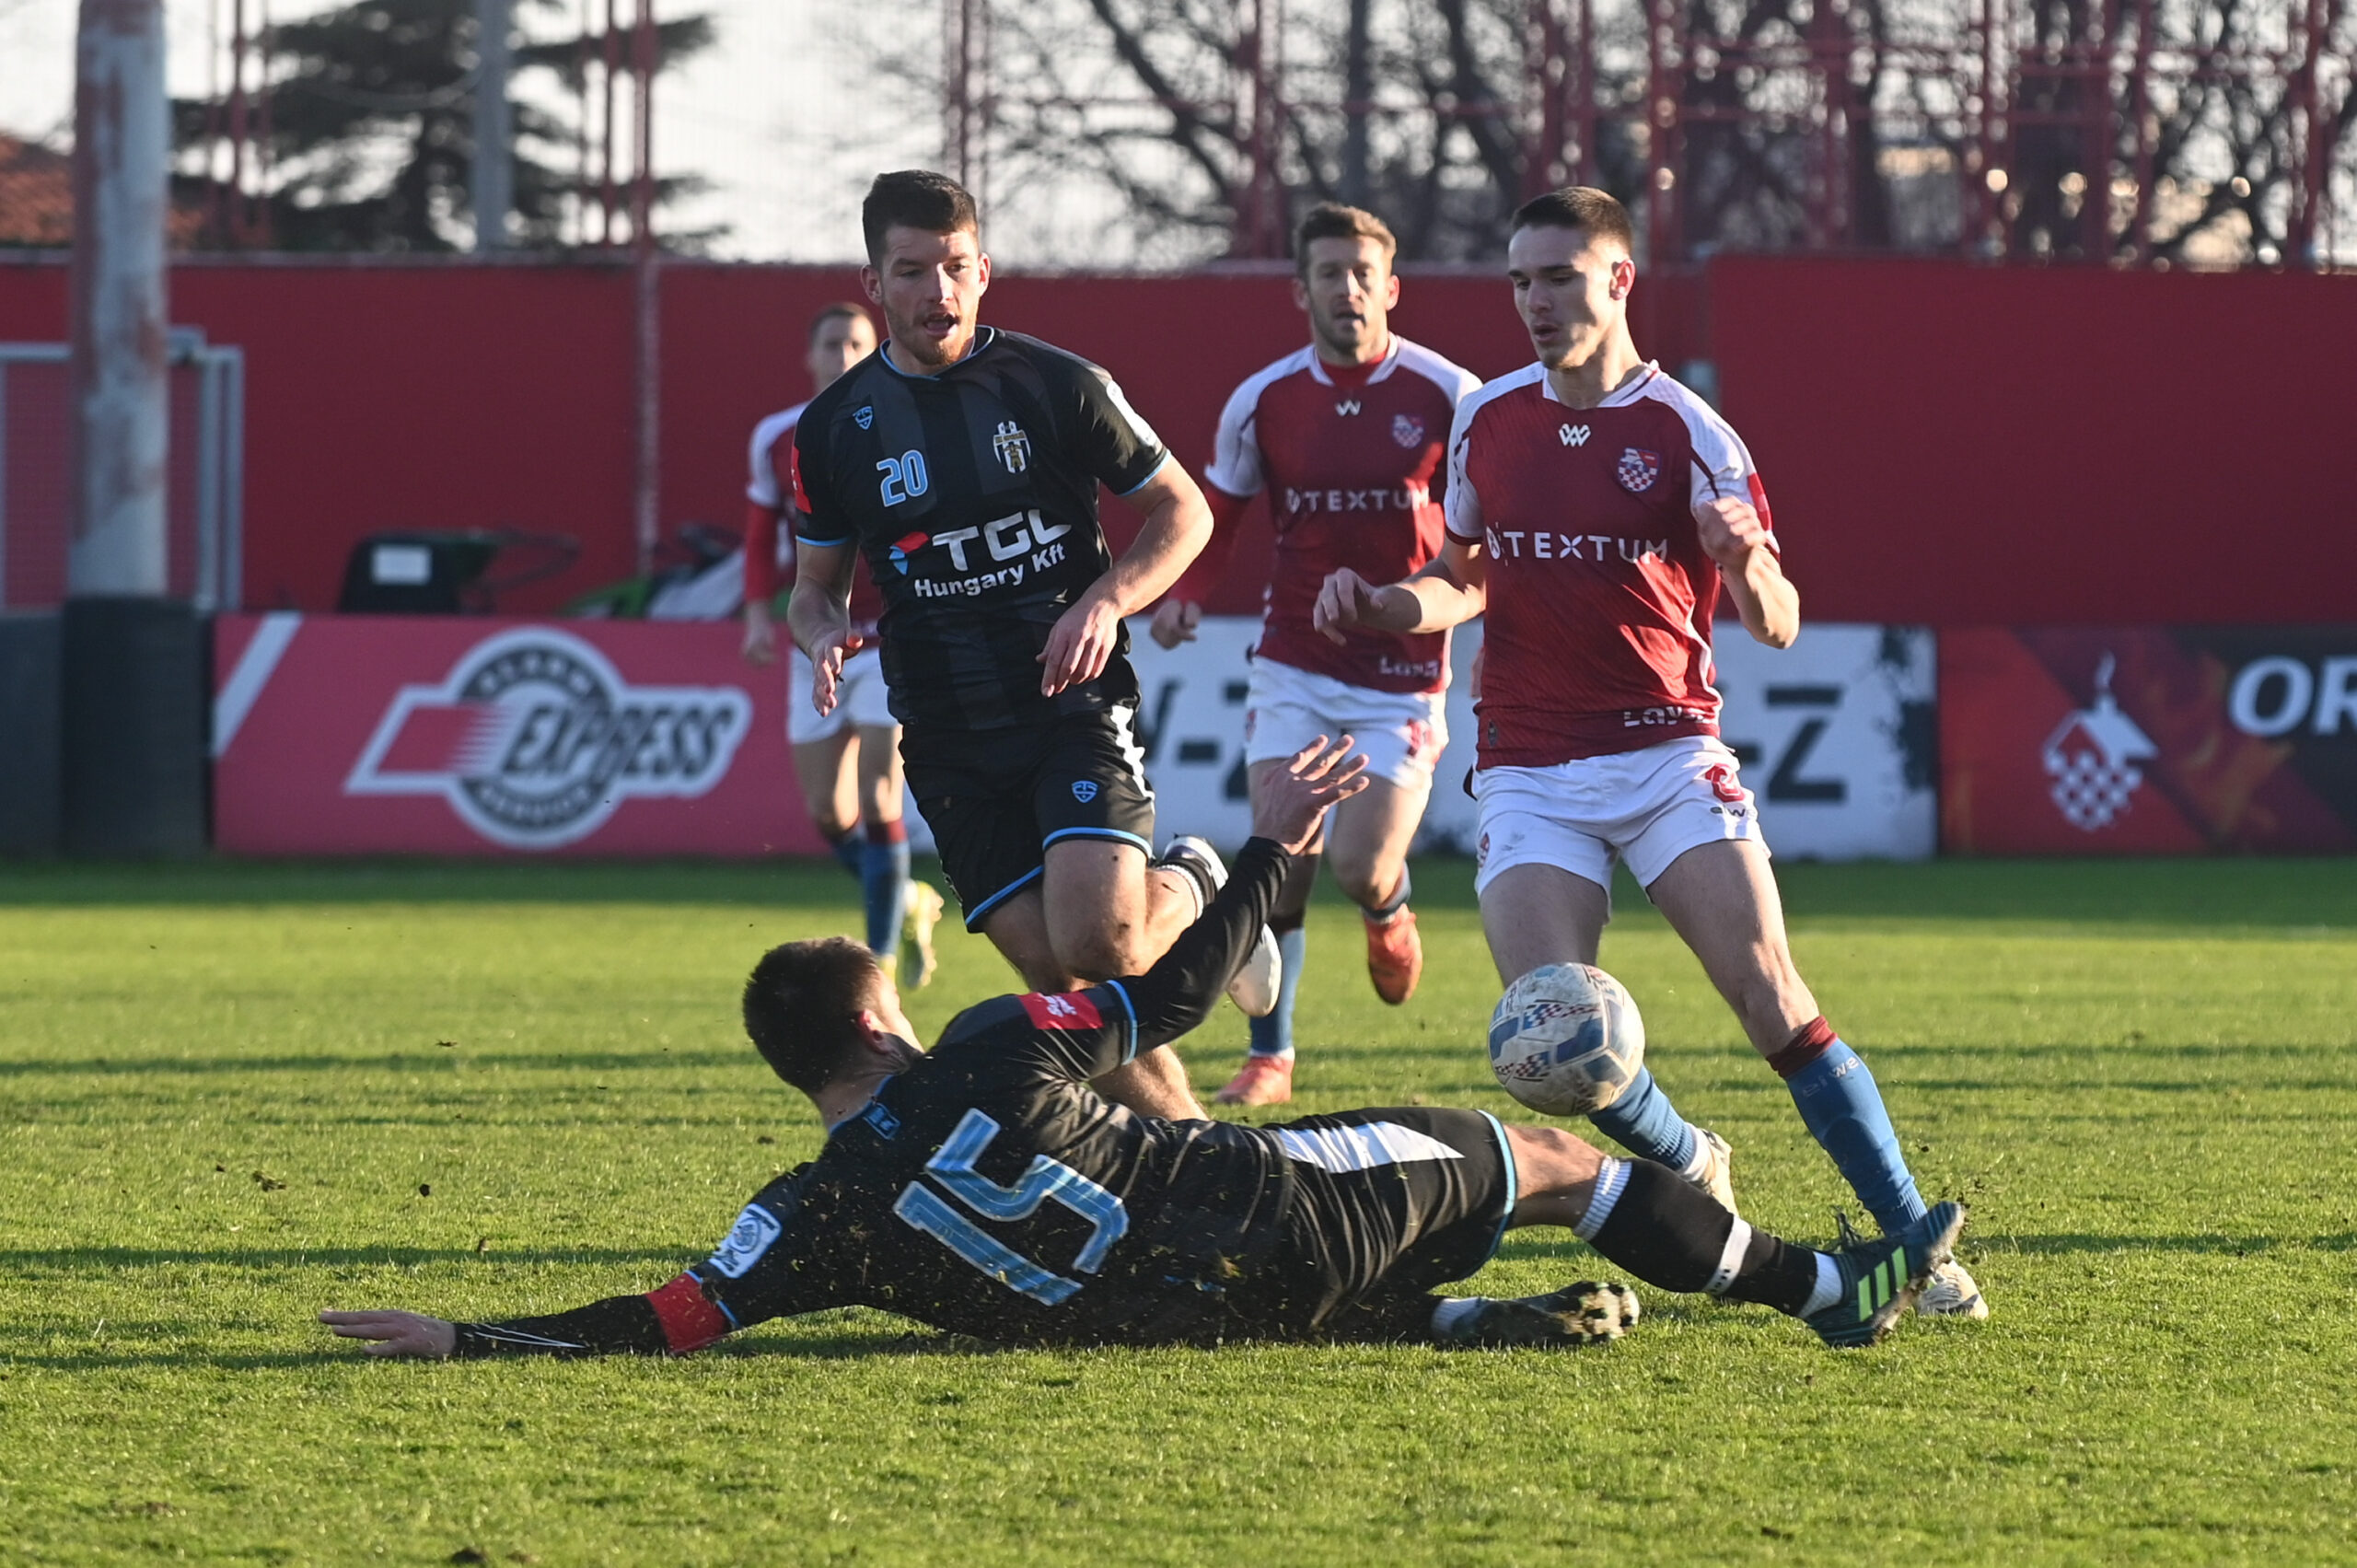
(984, 1189)
(964, 464)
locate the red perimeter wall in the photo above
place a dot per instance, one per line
(1943, 444)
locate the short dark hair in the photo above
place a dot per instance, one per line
(1597, 213)
(915, 198)
(841, 310)
(1332, 220)
(802, 1008)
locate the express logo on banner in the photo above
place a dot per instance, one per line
(535, 740)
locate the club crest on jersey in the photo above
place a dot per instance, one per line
(1407, 429)
(1571, 434)
(1638, 469)
(1083, 790)
(865, 415)
(1013, 446)
(905, 547)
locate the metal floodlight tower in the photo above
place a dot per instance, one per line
(121, 406)
(130, 761)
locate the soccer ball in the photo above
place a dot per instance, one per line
(1566, 1040)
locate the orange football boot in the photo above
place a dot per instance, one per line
(1265, 1080)
(1395, 956)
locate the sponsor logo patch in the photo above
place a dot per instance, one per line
(1637, 469)
(865, 416)
(1064, 1010)
(906, 546)
(535, 740)
(1571, 434)
(1083, 790)
(748, 1240)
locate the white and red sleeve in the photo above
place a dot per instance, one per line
(1461, 504)
(1722, 466)
(1235, 448)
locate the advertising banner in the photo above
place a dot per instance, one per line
(463, 736)
(2149, 741)
(1835, 733)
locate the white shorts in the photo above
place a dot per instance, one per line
(860, 698)
(1401, 732)
(1646, 808)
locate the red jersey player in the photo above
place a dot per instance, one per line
(849, 762)
(1345, 435)
(1599, 510)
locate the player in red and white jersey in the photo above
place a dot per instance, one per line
(1598, 511)
(1346, 435)
(849, 762)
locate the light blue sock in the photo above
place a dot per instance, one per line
(1843, 1111)
(1644, 1123)
(1272, 1036)
(884, 890)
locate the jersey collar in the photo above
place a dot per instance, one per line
(983, 338)
(1619, 397)
(1382, 366)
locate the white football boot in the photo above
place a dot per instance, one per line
(1717, 1175)
(1254, 987)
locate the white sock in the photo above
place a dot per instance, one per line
(1448, 1313)
(1829, 1286)
(1696, 1167)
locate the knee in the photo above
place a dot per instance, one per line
(1103, 953)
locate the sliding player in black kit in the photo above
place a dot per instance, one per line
(984, 1189)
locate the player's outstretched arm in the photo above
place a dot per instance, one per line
(1733, 536)
(1450, 590)
(1178, 992)
(673, 1320)
(1177, 525)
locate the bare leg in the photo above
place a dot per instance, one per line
(1026, 932)
(1721, 900)
(1542, 914)
(1368, 841)
(823, 767)
(879, 773)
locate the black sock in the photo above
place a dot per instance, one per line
(1670, 1233)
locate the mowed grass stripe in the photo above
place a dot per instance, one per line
(222, 1087)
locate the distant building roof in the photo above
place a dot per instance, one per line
(37, 200)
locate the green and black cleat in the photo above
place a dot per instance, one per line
(1583, 1314)
(1881, 1279)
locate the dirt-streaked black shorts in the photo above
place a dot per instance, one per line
(997, 798)
(1388, 1203)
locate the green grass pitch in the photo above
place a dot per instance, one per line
(230, 1095)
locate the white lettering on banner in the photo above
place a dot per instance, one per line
(535, 740)
(1836, 736)
(2272, 696)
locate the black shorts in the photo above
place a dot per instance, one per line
(997, 798)
(1388, 1203)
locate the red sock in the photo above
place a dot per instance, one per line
(1809, 1042)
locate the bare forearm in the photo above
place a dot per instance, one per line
(816, 610)
(1764, 598)
(1174, 533)
(1433, 600)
